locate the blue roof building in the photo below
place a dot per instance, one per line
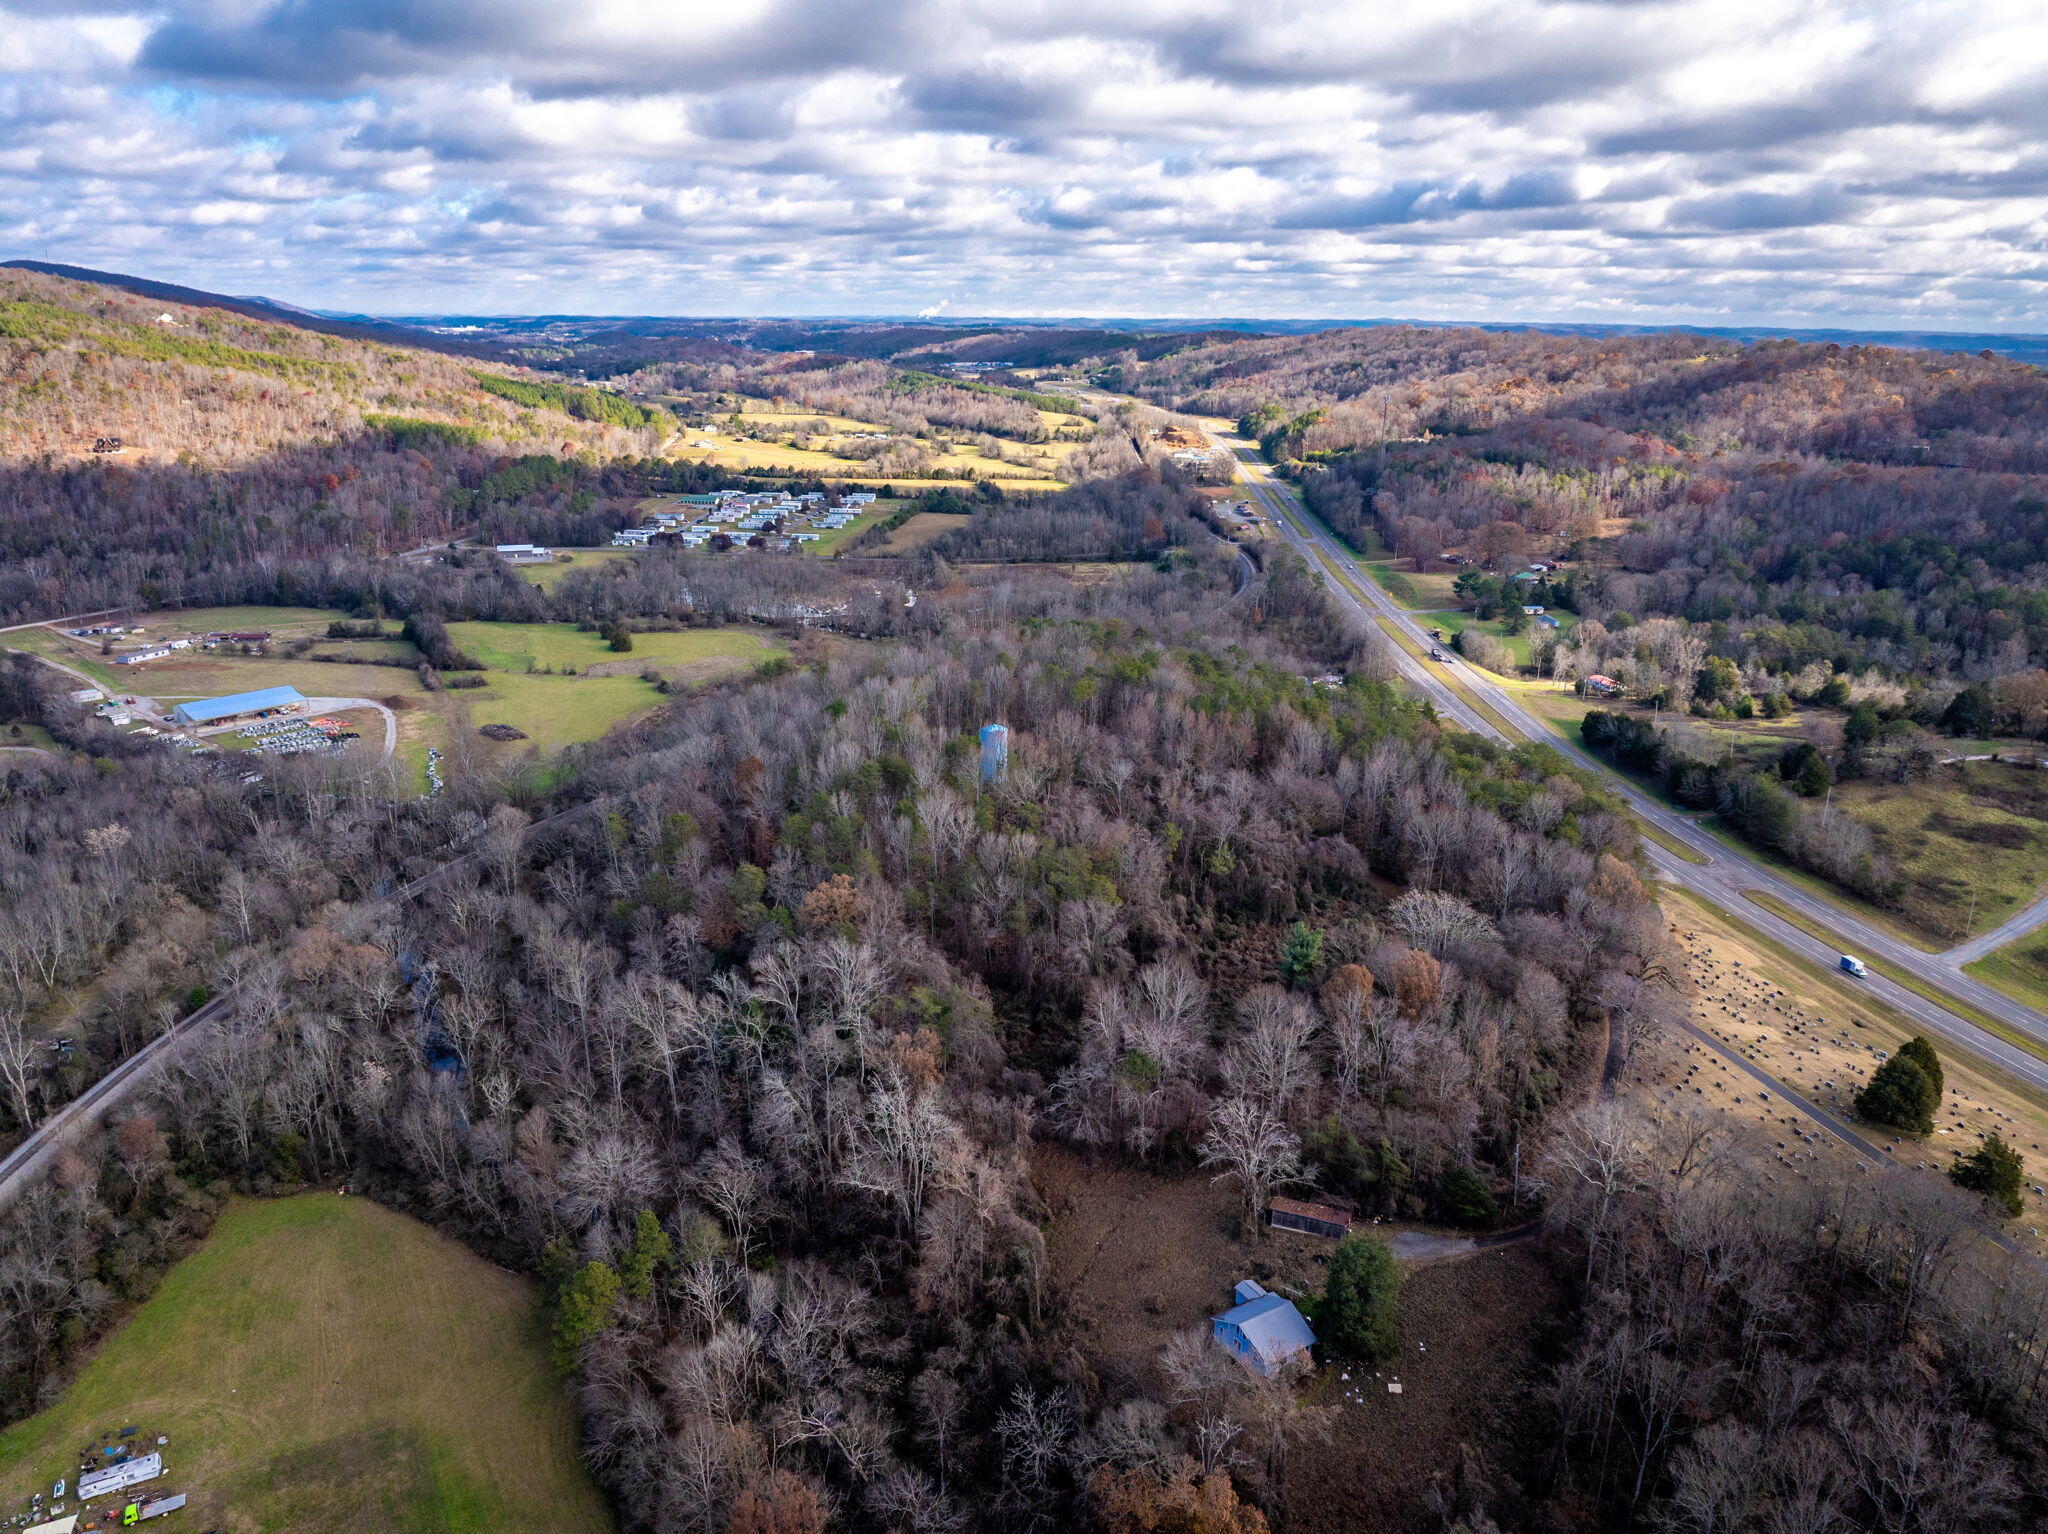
(237, 705)
(1262, 1331)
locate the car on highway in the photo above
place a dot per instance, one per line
(1438, 655)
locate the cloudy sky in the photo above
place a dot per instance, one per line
(1719, 161)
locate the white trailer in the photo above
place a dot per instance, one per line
(133, 1472)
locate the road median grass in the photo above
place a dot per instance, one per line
(2019, 969)
(1901, 977)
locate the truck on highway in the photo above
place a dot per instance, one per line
(1853, 966)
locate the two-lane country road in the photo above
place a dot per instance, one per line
(1727, 875)
(20, 1167)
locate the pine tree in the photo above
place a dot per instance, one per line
(1301, 955)
(1356, 1316)
(1901, 1095)
(1465, 1197)
(1969, 712)
(583, 1308)
(651, 1250)
(1995, 1170)
(1920, 1050)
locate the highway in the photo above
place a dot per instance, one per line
(1727, 875)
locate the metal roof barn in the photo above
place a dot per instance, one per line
(235, 704)
(1262, 1333)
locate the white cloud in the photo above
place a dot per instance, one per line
(1730, 160)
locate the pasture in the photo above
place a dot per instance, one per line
(923, 528)
(322, 1364)
(547, 577)
(525, 647)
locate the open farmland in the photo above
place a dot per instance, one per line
(923, 528)
(557, 685)
(282, 622)
(1969, 842)
(548, 576)
(773, 441)
(2019, 969)
(322, 1364)
(529, 647)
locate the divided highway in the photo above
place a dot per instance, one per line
(1725, 876)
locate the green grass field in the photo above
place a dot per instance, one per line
(2018, 969)
(553, 709)
(1518, 645)
(516, 647)
(557, 710)
(320, 1365)
(833, 538)
(548, 576)
(1971, 835)
(22, 733)
(565, 710)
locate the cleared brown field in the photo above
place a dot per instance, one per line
(926, 527)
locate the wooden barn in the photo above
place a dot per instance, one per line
(1310, 1219)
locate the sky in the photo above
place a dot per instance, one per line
(1721, 162)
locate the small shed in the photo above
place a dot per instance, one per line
(1263, 1333)
(1602, 685)
(1310, 1219)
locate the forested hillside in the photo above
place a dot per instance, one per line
(1811, 502)
(754, 1058)
(148, 449)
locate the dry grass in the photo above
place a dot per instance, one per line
(923, 528)
(1822, 1040)
(1472, 1331)
(1137, 1257)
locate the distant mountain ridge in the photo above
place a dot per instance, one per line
(355, 329)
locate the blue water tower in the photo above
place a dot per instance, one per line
(995, 751)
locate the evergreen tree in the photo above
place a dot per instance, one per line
(1901, 1095)
(1466, 1199)
(583, 1308)
(1920, 1050)
(1814, 776)
(1356, 1315)
(651, 1250)
(1301, 955)
(1995, 1170)
(1968, 713)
